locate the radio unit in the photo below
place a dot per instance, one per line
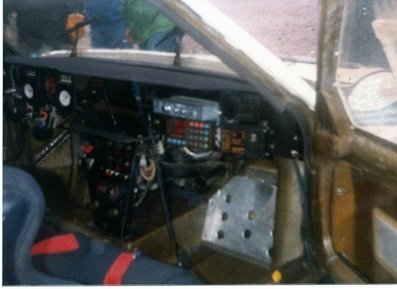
(187, 108)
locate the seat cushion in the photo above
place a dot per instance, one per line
(95, 262)
(23, 211)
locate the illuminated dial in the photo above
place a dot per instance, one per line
(65, 98)
(28, 90)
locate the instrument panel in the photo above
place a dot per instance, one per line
(39, 86)
(126, 128)
(230, 122)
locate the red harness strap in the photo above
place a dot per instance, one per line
(56, 245)
(116, 272)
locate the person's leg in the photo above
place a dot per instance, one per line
(162, 41)
(110, 35)
(115, 35)
(97, 37)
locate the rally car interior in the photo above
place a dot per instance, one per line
(178, 166)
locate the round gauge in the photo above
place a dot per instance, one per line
(65, 98)
(28, 90)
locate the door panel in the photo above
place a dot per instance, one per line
(355, 202)
(363, 222)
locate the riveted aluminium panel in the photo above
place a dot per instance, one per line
(240, 219)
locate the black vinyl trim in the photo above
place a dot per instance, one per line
(132, 71)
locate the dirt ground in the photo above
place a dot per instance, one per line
(286, 27)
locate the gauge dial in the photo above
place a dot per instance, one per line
(28, 91)
(65, 98)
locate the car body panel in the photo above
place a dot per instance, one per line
(356, 170)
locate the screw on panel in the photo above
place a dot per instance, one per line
(251, 215)
(340, 192)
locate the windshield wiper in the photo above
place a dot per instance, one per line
(179, 33)
(75, 29)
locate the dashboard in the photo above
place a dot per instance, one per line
(128, 118)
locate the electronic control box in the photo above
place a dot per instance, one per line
(187, 108)
(198, 136)
(190, 122)
(244, 140)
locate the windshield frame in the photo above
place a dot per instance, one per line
(354, 142)
(364, 77)
(240, 51)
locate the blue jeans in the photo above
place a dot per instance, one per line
(163, 41)
(108, 35)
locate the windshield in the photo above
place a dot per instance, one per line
(36, 27)
(286, 27)
(367, 72)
